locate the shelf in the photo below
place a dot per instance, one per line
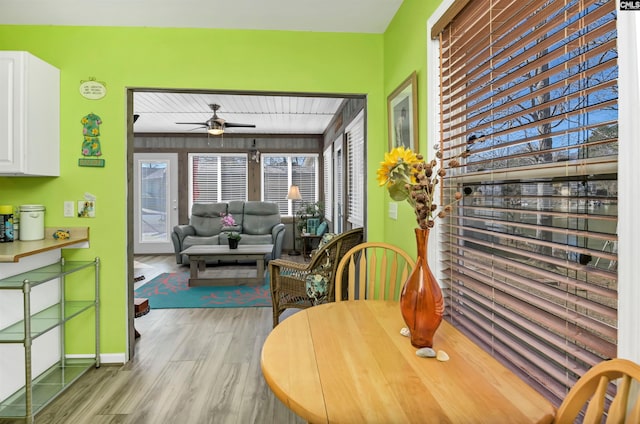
(44, 274)
(44, 321)
(46, 387)
(39, 391)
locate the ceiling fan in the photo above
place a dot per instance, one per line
(216, 125)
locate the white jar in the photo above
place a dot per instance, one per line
(31, 222)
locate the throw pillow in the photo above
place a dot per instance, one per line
(326, 238)
(317, 288)
(322, 228)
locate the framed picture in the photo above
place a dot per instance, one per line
(402, 108)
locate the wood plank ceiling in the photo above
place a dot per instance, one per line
(272, 114)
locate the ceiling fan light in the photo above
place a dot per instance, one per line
(216, 128)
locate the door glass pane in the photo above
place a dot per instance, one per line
(153, 201)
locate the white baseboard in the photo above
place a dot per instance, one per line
(105, 358)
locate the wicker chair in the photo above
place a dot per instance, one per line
(373, 270)
(289, 288)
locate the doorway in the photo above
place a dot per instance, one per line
(141, 235)
(155, 201)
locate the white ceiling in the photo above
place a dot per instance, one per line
(159, 112)
(367, 16)
(271, 114)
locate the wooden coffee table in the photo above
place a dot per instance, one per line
(198, 255)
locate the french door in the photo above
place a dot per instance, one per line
(155, 201)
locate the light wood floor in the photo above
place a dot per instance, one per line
(191, 366)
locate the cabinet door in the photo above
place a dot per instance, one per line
(9, 151)
(29, 115)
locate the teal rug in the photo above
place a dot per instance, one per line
(170, 290)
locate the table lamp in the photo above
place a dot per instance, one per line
(293, 195)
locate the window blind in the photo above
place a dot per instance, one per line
(327, 164)
(276, 181)
(217, 177)
(529, 89)
(304, 174)
(355, 174)
(338, 184)
(279, 172)
(233, 177)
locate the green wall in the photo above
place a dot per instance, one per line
(405, 51)
(280, 61)
(173, 58)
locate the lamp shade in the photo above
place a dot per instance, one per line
(294, 193)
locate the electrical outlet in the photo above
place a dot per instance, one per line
(69, 209)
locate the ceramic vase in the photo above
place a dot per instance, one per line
(233, 243)
(421, 298)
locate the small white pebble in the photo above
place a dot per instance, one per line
(442, 356)
(426, 352)
(405, 331)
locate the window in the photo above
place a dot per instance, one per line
(328, 182)
(531, 254)
(279, 172)
(355, 171)
(338, 184)
(217, 178)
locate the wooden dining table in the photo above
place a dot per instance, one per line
(347, 362)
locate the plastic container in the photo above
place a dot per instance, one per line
(31, 222)
(6, 224)
(16, 225)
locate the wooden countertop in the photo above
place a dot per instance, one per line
(13, 251)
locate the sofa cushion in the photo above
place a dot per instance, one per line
(199, 241)
(206, 218)
(260, 217)
(257, 239)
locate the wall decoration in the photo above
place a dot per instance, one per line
(92, 89)
(402, 110)
(91, 140)
(86, 209)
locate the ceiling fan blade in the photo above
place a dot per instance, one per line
(234, 124)
(204, 124)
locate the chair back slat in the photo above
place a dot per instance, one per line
(595, 409)
(395, 282)
(634, 415)
(373, 270)
(371, 275)
(618, 407)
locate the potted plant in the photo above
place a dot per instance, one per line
(230, 229)
(308, 211)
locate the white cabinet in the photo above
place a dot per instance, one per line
(29, 115)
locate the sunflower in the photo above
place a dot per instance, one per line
(397, 165)
(407, 176)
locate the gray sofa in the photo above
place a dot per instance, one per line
(257, 223)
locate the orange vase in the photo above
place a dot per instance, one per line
(421, 299)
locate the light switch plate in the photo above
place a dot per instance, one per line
(69, 211)
(393, 210)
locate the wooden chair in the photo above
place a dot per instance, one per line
(289, 280)
(374, 270)
(592, 388)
